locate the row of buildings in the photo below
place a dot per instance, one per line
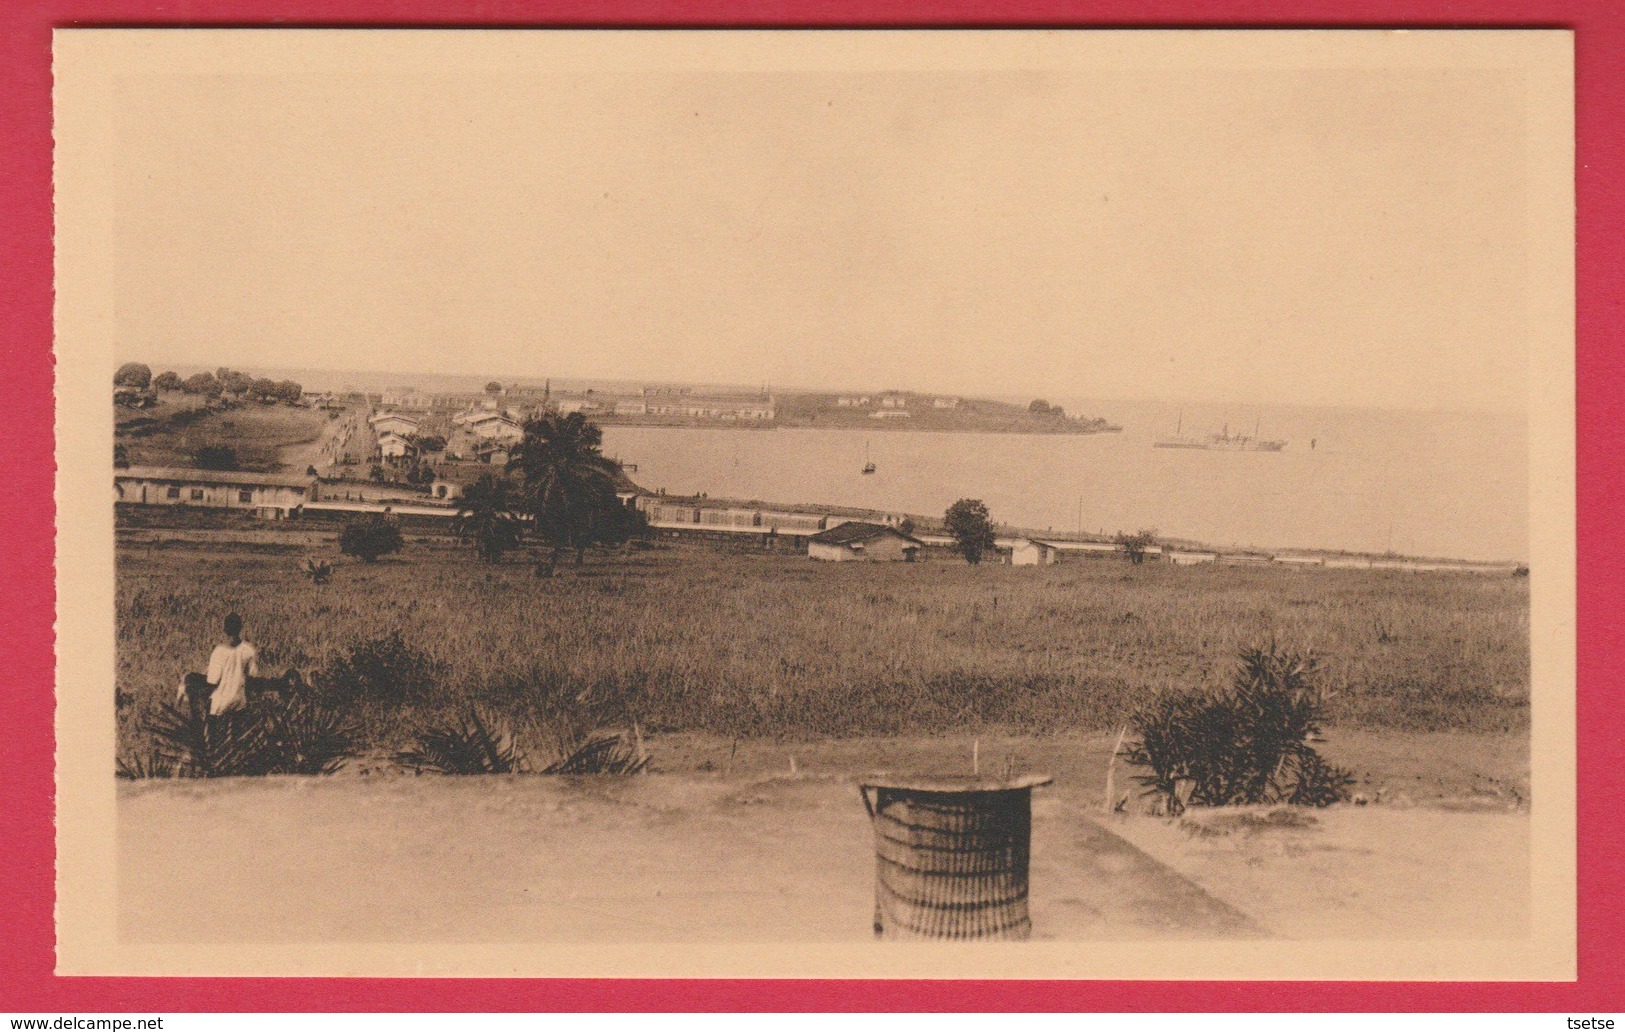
(656, 401)
(894, 401)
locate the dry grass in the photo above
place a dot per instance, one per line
(170, 434)
(689, 639)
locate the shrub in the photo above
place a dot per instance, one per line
(320, 571)
(216, 456)
(379, 668)
(472, 745)
(1248, 743)
(972, 528)
(1136, 545)
(370, 538)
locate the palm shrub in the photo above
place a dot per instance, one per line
(1248, 743)
(192, 744)
(299, 736)
(486, 518)
(320, 571)
(472, 744)
(305, 737)
(601, 751)
(569, 485)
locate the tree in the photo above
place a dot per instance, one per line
(428, 442)
(493, 387)
(1136, 545)
(376, 473)
(167, 381)
(370, 537)
(121, 456)
(133, 374)
(288, 391)
(264, 389)
(202, 383)
(972, 529)
(1038, 406)
(216, 456)
(486, 518)
(569, 484)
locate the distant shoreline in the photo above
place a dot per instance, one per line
(933, 525)
(886, 426)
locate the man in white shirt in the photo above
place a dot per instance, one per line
(230, 666)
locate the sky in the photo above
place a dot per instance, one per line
(1301, 233)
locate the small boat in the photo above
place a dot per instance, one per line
(868, 467)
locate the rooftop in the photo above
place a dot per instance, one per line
(856, 532)
(213, 476)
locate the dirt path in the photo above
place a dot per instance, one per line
(684, 858)
(344, 439)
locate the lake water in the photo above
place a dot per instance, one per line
(1419, 483)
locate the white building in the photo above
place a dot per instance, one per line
(857, 541)
(945, 403)
(1027, 552)
(270, 495)
(408, 398)
(395, 446)
(393, 422)
(890, 413)
(497, 427)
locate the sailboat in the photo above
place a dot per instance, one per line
(868, 467)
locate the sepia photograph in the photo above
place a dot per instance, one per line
(968, 504)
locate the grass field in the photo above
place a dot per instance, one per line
(689, 639)
(171, 433)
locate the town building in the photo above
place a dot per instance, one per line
(393, 422)
(453, 479)
(945, 403)
(858, 541)
(565, 406)
(852, 401)
(270, 495)
(395, 447)
(890, 413)
(1028, 552)
(408, 398)
(894, 400)
(726, 409)
(497, 427)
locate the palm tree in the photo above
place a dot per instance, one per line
(569, 484)
(486, 518)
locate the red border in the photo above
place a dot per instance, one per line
(26, 832)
